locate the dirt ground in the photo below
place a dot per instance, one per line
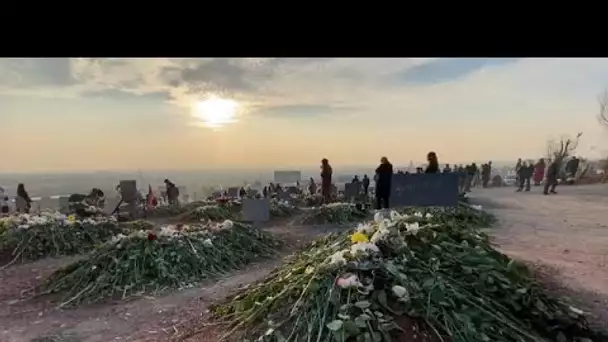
(564, 237)
(142, 319)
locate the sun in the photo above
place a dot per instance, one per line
(216, 112)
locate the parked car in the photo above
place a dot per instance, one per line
(510, 180)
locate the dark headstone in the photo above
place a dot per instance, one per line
(256, 210)
(128, 190)
(352, 191)
(233, 192)
(425, 189)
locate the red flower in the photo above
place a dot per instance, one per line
(151, 236)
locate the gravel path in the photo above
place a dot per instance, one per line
(565, 236)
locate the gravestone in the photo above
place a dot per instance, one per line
(233, 192)
(256, 210)
(128, 191)
(352, 191)
(64, 204)
(425, 189)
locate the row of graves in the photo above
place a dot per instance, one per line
(417, 272)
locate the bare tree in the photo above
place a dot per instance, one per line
(566, 147)
(603, 114)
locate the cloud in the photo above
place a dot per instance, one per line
(445, 70)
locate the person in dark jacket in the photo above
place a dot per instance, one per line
(551, 181)
(326, 173)
(486, 172)
(21, 193)
(172, 192)
(525, 175)
(384, 176)
(365, 182)
(447, 168)
(433, 166)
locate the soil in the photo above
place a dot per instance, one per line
(141, 319)
(564, 236)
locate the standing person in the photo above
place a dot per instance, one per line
(517, 167)
(471, 171)
(326, 173)
(521, 176)
(4, 203)
(384, 176)
(447, 168)
(433, 166)
(552, 173)
(539, 172)
(365, 185)
(312, 186)
(22, 195)
(172, 192)
(485, 174)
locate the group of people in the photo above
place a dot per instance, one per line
(23, 202)
(528, 171)
(383, 178)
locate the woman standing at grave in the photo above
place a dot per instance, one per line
(326, 173)
(384, 176)
(23, 196)
(172, 192)
(433, 166)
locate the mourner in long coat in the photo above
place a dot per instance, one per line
(384, 176)
(326, 173)
(552, 173)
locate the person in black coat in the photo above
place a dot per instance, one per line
(384, 175)
(552, 174)
(433, 166)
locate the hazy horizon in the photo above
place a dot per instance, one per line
(84, 114)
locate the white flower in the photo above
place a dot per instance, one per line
(168, 231)
(227, 224)
(429, 216)
(348, 281)
(363, 248)
(418, 214)
(117, 238)
(379, 235)
(395, 215)
(365, 228)
(412, 227)
(337, 258)
(378, 217)
(401, 292)
(23, 226)
(476, 207)
(207, 243)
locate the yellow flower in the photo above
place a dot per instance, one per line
(358, 238)
(72, 218)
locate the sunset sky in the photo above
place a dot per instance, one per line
(120, 114)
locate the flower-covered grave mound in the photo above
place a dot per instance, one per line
(422, 266)
(336, 213)
(28, 237)
(152, 261)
